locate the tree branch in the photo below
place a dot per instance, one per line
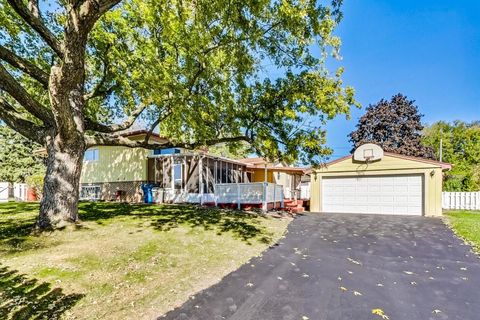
(33, 7)
(99, 127)
(91, 10)
(156, 123)
(14, 120)
(10, 85)
(24, 65)
(33, 19)
(105, 139)
(99, 89)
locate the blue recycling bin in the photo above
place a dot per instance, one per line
(147, 189)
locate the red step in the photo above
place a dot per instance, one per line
(297, 210)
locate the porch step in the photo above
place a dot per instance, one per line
(297, 210)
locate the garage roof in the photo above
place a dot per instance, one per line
(429, 162)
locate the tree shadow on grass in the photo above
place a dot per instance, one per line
(25, 298)
(242, 225)
(13, 207)
(17, 222)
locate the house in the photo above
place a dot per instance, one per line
(276, 172)
(376, 182)
(115, 173)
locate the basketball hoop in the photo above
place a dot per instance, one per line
(368, 153)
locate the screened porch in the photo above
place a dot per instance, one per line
(207, 179)
(191, 177)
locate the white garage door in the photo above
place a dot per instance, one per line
(400, 194)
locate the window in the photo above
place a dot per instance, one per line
(90, 193)
(91, 155)
(166, 151)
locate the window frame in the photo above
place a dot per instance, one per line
(96, 155)
(97, 192)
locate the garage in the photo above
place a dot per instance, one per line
(398, 194)
(372, 181)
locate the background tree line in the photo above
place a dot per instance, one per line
(396, 126)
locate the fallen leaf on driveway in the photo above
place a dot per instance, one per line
(381, 313)
(354, 261)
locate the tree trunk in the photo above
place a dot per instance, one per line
(59, 205)
(66, 143)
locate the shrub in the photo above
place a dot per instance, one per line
(36, 183)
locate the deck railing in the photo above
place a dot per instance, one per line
(249, 193)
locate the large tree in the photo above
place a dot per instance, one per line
(461, 147)
(17, 157)
(395, 125)
(73, 74)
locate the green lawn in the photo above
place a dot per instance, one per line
(467, 225)
(122, 261)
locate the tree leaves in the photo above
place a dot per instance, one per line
(17, 160)
(395, 125)
(207, 70)
(461, 147)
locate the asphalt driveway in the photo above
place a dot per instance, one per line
(343, 266)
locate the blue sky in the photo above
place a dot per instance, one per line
(428, 50)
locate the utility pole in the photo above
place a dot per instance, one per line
(441, 144)
(441, 147)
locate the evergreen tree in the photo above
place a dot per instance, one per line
(17, 160)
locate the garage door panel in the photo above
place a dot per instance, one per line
(374, 194)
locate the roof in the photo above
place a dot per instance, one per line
(134, 133)
(443, 165)
(256, 160)
(260, 164)
(279, 169)
(204, 154)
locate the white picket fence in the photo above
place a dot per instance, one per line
(19, 191)
(461, 200)
(3, 191)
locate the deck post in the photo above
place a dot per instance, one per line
(184, 174)
(155, 170)
(172, 171)
(282, 204)
(200, 178)
(239, 205)
(274, 197)
(264, 197)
